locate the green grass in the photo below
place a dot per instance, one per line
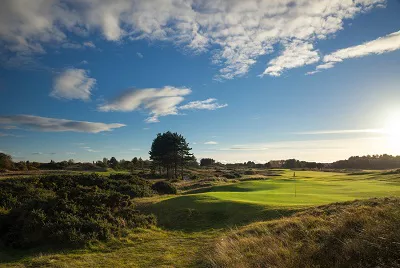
(189, 223)
(243, 202)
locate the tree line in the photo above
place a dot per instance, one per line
(170, 154)
(383, 161)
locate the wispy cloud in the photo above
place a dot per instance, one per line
(295, 54)
(140, 55)
(89, 44)
(89, 149)
(208, 104)
(48, 124)
(211, 142)
(73, 84)
(6, 135)
(341, 131)
(244, 148)
(236, 32)
(8, 127)
(385, 44)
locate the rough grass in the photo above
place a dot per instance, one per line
(139, 248)
(352, 234)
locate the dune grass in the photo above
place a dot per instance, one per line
(191, 223)
(360, 233)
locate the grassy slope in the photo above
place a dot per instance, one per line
(361, 233)
(189, 221)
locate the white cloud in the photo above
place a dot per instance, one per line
(73, 84)
(208, 104)
(89, 44)
(388, 43)
(296, 54)
(32, 122)
(157, 101)
(211, 143)
(140, 55)
(238, 32)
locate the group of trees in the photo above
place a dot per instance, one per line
(384, 161)
(135, 163)
(6, 161)
(293, 163)
(206, 162)
(170, 153)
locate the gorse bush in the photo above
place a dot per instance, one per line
(164, 187)
(72, 210)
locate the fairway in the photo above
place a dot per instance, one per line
(304, 191)
(243, 202)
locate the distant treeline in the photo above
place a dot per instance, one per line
(384, 161)
(368, 162)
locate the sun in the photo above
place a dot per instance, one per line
(392, 131)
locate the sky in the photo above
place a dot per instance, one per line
(258, 80)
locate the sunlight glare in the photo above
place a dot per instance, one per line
(392, 131)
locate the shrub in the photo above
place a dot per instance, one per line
(194, 177)
(164, 187)
(232, 175)
(249, 172)
(69, 210)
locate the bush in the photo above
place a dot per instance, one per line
(249, 172)
(164, 187)
(232, 175)
(69, 210)
(194, 177)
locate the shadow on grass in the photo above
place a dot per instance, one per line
(194, 213)
(10, 255)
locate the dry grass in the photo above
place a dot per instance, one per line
(351, 234)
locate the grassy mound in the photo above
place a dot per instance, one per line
(351, 234)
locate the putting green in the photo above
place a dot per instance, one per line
(290, 192)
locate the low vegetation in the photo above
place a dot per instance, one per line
(69, 210)
(164, 187)
(351, 234)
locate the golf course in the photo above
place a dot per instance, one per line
(191, 223)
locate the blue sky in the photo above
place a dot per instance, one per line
(241, 80)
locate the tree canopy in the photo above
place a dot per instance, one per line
(170, 152)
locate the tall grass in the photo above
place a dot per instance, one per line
(351, 234)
